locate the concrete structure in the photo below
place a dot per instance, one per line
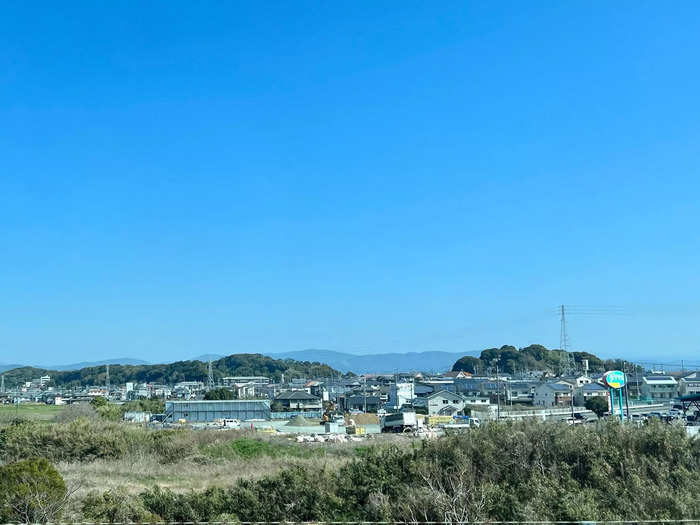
(659, 387)
(203, 411)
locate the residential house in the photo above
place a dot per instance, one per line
(442, 403)
(589, 390)
(689, 384)
(658, 387)
(365, 403)
(552, 395)
(457, 375)
(298, 400)
(574, 381)
(520, 391)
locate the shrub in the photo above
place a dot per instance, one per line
(31, 491)
(115, 506)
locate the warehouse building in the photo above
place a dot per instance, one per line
(203, 411)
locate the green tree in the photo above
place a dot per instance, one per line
(98, 402)
(467, 364)
(31, 491)
(598, 405)
(219, 394)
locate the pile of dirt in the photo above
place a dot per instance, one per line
(362, 419)
(299, 421)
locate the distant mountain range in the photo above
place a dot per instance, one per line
(430, 361)
(84, 364)
(387, 363)
(4, 367)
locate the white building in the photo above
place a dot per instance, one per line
(442, 403)
(659, 387)
(689, 384)
(400, 394)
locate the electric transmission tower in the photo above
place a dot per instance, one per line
(563, 336)
(210, 376)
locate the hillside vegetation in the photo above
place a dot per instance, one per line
(233, 365)
(512, 360)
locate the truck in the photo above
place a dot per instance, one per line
(399, 422)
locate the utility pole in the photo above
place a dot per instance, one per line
(2, 384)
(498, 394)
(107, 385)
(573, 389)
(364, 394)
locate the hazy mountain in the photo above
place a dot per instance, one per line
(386, 363)
(87, 364)
(8, 367)
(207, 357)
(431, 361)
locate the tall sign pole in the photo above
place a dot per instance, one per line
(615, 380)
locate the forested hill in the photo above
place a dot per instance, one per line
(512, 360)
(233, 365)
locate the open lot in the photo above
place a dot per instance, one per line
(33, 411)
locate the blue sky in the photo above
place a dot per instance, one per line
(179, 178)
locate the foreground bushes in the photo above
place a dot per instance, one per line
(31, 491)
(86, 440)
(518, 472)
(506, 472)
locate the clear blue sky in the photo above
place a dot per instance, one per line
(187, 177)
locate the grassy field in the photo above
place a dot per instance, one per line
(33, 411)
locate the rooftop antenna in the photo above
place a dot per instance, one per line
(210, 376)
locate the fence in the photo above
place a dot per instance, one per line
(289, 415)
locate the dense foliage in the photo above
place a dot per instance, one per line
(219, 394)
(233, 365)
(512, 360)
(31, 491)
(598, 405)
(514, 472)
(527, 471)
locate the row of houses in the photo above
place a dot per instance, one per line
(444, 393)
